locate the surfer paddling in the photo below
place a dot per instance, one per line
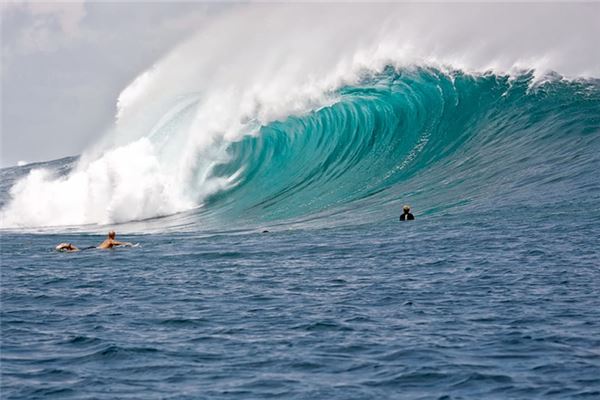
(108, 243)
(69, 247)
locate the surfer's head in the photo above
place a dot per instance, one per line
(406, 208)
(111, 234)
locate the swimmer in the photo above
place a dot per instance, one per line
(110, 242)
(69, 247)
(407, 216)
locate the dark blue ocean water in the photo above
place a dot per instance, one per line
(491, 293)
(500, 305)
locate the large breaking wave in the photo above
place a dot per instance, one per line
(276, 123)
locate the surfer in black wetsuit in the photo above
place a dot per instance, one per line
(406, 216)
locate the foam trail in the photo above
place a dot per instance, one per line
(262, 63)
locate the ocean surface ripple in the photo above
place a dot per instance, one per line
(484, 306)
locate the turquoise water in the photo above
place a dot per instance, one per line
(490, 293)
(444, 142)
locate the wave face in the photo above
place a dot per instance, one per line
(436, 140)
(283, 120)
(439, 140)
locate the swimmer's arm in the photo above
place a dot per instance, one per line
(117, 243)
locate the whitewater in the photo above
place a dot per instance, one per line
(262, 165)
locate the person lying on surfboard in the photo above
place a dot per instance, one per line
(67, 247)
(108, 243)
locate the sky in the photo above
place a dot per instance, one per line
(64, 65)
